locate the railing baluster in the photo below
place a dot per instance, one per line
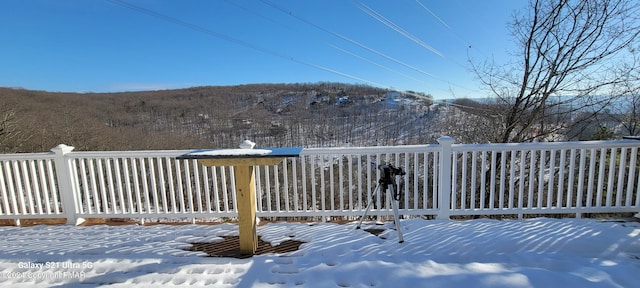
(570, 184)
(463, 184)
(551, 176)
(119, 187)
(127, 184)
(267, 186)
(621, 172)
(474, 175)
(154, 186)
(631, 176)
(4, 193)
(216, 195)
(312, 170)
(592, 176)
(19, 187)
(341, 183)
(43, 186)
(521, 181)
(512, 178)
(323, 203)
(111, 185)
(35, 183)
(187, 188)
(145, 185)
(416, 176)
(171, 187)
(561, 172)
(162, 184)
(601, 179)
(277, 191)
(196, 184)
(296, 180)
(86, 191)
(52, 187)
(225, 189)
(541, 174)
(503, 168)
(361, 204)
(350, 187)
(611, 178)
(405, 193)
(305, 203)
(454, 192)
(532, 175)
(285, 192)
(207, 188)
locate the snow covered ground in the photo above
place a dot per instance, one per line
(479, 253)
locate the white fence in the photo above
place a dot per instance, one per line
(442, 179)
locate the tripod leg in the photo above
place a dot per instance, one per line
(396, 218)
(373, 197)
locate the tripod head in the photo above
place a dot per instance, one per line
(388, 172)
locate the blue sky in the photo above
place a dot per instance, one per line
(112, 45)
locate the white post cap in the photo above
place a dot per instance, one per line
(246, 144)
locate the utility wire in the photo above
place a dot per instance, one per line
(380, 18)
(246, 44)
(378, 64)
(469, 46)
(236, 40)
(395, 27)
(350, 53)
(354, 42)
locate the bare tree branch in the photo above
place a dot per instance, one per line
(570, 48)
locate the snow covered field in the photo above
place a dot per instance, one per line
(479, 253)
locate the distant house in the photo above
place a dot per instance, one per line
(392, 99)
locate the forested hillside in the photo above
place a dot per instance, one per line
(309, 115)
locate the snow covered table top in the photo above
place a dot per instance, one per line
(242, 153)
(233, 157)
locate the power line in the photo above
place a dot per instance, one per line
(378, 64)
(380, 18)
(433, 14)
(236, 40)
(350, 53)
(240, 42)
(396, 28)
(354, 42)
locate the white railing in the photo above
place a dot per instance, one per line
(442, 180)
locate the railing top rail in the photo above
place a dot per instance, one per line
(370, 150)
(28, 156)
(127, 154)
(349, 150)
(545, 145)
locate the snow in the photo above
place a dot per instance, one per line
(232, 152)
(539, 252)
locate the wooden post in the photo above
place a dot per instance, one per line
(246, 196)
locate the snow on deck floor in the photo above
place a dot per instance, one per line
(479, 253)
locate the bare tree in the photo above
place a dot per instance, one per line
(626, 111)
(573, 49)
(12, 137)
(469, 121)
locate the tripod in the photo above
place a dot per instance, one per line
(387, 181)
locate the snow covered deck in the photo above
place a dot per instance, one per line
(538, 252)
